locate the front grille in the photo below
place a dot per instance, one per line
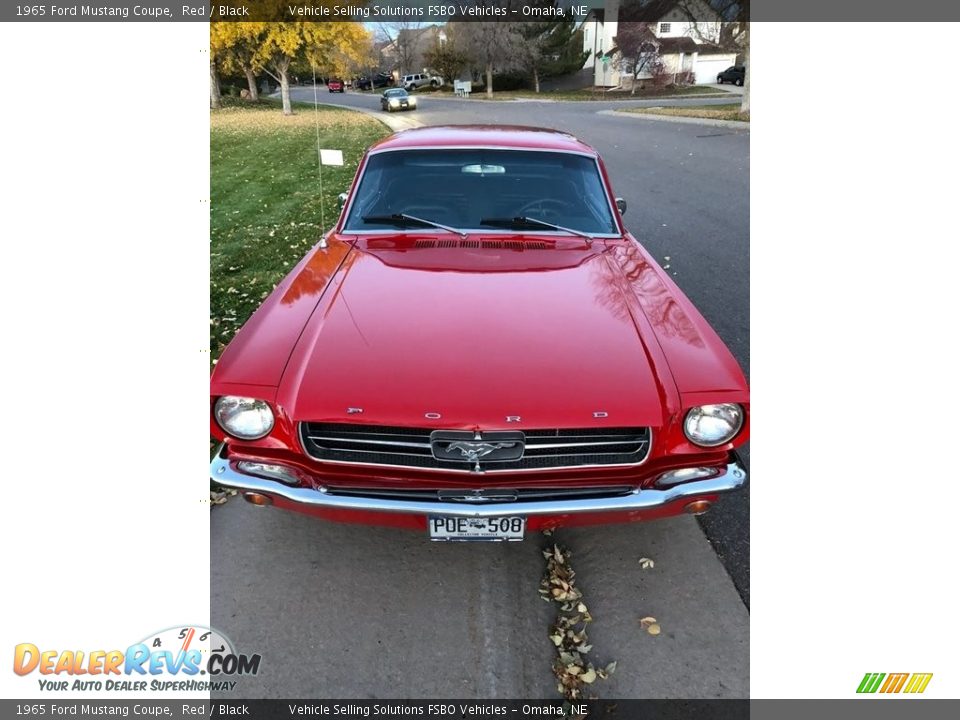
(410, 447)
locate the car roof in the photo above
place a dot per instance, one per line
(506, 136)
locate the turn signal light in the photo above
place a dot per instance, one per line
(257, 499)
(698, 507)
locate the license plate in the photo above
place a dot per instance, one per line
(491, 529)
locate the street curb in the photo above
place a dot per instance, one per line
(735, 124)
(395, 123)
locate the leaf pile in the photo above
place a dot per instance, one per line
(568, 633)
(220, 497)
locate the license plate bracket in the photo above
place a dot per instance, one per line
(468, 529)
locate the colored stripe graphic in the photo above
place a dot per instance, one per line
(918, 682)
(895, 682)
(870, 682)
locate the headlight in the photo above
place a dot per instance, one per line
(412, 101)
(242, 417)
(713, 425)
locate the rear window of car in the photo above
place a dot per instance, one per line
(462, 187)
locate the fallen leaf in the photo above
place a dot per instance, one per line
(654, 629)
(589, 676)
(646, 563)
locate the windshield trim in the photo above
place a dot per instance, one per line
(614, 213)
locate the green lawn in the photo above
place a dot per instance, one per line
(712, 112)
(586, 94)
(265, 198)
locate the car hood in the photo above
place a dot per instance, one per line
(467, 338)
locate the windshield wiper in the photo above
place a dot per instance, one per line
(404, 219)
(519, 222)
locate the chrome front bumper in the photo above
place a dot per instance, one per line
(733, 477)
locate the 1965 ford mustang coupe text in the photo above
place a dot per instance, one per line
(479, 348)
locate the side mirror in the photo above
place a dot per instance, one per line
(621, 205)
(341, 200)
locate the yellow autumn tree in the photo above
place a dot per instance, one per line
(325, 45)
(235, 46)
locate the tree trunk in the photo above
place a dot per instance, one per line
(536, 80)
(252, 84)
(489, 80)
(745, 102)
(285, 92)
(215, 103)
(373, 74)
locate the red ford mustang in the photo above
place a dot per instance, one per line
(479, 348)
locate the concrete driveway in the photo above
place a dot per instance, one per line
(342, 611)
(732, 89)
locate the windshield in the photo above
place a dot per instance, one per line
(396, 93)
(479, 189)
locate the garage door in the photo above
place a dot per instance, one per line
(709, 67)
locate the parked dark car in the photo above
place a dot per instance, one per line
(734, 74)
(397, 99)
(334, 85)
(379, 80)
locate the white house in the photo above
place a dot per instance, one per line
(685, 45)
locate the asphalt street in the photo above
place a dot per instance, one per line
(342, 611)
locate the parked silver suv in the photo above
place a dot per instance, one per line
(416, 80)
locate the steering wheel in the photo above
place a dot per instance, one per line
(545, 206)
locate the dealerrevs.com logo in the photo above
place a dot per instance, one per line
(911, 683)
(183, 659)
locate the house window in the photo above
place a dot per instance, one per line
(664, 27)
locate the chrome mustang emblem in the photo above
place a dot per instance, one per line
(473, 451)
(477, 496)
(471, 446)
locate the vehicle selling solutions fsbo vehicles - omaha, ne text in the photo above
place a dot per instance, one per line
(479, 348)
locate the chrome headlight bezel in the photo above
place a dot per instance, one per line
(719, 414)
(244, 418)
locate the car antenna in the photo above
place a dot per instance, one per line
(316, 119)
